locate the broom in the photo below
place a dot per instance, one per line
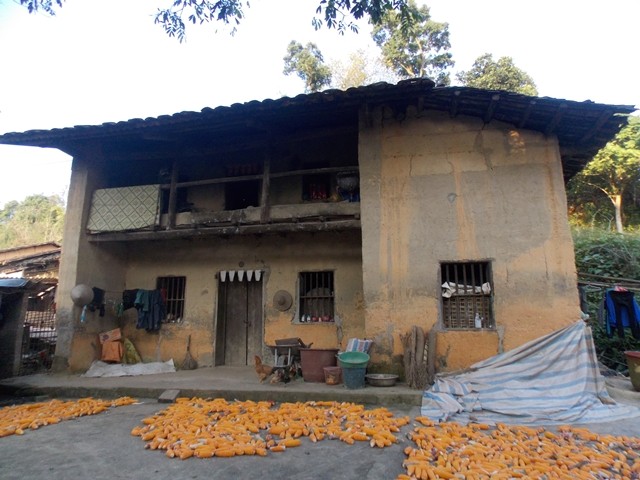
(189, 362)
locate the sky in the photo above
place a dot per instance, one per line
(102, 61)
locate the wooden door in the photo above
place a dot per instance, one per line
(239, 322)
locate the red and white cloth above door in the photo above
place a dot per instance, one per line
(240, 275)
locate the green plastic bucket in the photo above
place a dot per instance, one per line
(353, 359)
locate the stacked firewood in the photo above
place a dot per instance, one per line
(415, 347)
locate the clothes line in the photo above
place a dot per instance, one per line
(600, 286)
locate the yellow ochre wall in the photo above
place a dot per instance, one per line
(81, 262)
(435, 189)
(279, 257)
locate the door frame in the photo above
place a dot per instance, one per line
(254, 346)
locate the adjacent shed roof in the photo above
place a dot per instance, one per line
(582, 128)
(14, 285)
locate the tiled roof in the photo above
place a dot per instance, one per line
(582, 128)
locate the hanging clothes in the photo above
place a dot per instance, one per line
(622, 312)
(98, 301)
(129, 299)
(151, 309)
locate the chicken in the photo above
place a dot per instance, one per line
(280, 375)
(262, 370)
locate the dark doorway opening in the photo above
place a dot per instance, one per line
(239, 195)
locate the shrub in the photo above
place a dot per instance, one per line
(609, 255)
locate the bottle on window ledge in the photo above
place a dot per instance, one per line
(477, 321)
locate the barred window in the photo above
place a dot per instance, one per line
(316, 297)
(173, 289)
(466, 295)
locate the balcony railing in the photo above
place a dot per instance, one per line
(329, 201)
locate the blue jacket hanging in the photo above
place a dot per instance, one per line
(622, 312)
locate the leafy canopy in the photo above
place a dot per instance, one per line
(500, 75)
(614, 172)
(336, 14)
(607, 254)
(307, 62)
(353, 73)
(361, 68)
(47, 6)
(37, 219)
(413, 45)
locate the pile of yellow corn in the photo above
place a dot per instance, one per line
(16, 419)
(476, 451)
(207, 428)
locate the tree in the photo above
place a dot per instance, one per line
(307, 62)
(352, 74)
(500, 75)
(607, 254)
(37, 219)
(337, 14)
(614, 172)
(360, 69)
(47, 6)
(414, 45)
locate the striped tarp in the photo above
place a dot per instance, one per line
(551, 380)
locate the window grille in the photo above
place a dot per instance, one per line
(467, 295)
(316, 297)
(173, 290)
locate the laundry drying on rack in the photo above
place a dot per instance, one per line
(152, 310)
(622, 311)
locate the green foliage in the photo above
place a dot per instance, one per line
(414, 46)
(501, 75)
(609, 181)
(307, 62)
(46, 6)
(353, 74)
(360, 69)
(335, 14)
(613, 255)
(37, 219)
(607, 254)
(198, 11)
(610, 350)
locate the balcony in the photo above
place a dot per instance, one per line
(249, 199)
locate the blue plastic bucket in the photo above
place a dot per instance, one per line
(353, 377)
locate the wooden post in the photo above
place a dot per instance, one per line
(266, 180)
(173, 197)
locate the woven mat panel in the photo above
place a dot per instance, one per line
(125, 208)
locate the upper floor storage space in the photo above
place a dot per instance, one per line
(294, 183)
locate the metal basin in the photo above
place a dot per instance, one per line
(381, 379)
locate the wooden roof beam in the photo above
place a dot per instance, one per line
(491, 109)
(604, 116)
(562, 108)
(526, 114)
(453, 107)
(420, 107)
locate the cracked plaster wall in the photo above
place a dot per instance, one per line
(436, 189)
